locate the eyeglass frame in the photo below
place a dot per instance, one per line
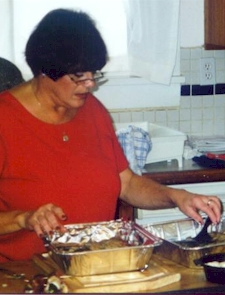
(81, 81)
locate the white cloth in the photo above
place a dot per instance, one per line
(153, 32)
(136, 144)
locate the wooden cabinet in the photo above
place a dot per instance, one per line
(214, 11)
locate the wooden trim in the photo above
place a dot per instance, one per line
(214, 24)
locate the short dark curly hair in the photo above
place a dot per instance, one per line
(65, 42)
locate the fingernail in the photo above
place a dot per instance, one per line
(64, 217)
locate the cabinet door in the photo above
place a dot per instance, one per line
(214, 24)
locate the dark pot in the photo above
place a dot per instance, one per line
(213, 274)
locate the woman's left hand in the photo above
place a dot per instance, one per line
(191, 205)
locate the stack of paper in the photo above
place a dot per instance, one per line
(213, 144)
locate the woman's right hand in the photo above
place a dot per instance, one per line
(44, 220)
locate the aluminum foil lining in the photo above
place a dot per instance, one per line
(184, 230)
(84, 234)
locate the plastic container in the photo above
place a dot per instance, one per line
(167, 143)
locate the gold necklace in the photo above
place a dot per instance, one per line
(65, 136)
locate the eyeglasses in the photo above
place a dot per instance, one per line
(77, 78)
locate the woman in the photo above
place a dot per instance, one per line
(60, 161)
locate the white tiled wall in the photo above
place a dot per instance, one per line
(197, 115)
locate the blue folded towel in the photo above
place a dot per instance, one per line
(136, 144)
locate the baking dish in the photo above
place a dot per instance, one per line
(134, 253)
(174, 235)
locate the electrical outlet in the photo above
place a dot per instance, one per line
(207, 71)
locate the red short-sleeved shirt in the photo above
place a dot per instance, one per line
(38, 167)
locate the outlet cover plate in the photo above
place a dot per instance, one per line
(207, 71)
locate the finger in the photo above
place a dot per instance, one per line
(37, 228)
(215, 200)
(53, 221)
(210, 205)
(46, 220)
(213, 209)
(45, 225)
(59, 212)
(196, 216)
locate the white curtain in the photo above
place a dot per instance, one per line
(6, 30)
(153, 35)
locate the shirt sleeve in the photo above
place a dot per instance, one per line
(121, 160)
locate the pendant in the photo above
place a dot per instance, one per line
(65, 137)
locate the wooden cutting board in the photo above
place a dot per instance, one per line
(156, 276)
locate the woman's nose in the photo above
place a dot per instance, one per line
(90, 83)
(89, 80)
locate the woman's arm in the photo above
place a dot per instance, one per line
(44, 220)
(145, 193)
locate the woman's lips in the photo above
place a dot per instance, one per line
(82, 96)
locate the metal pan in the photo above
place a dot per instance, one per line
(82, 261)
(176, 236)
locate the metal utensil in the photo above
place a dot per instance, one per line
(203, 236)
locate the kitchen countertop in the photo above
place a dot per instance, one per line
(169, 173)
(191, 279)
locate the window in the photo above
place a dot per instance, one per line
(114, 20)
